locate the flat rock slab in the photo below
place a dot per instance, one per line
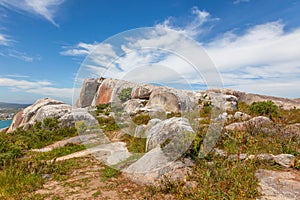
(279, 185)
(110, 154)
(87, 139)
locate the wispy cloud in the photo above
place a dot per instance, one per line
(10, 52)
(240, 1)
(266, 53)
(4, 40)
(16, 83)
(265, 58)
(22, 84)
(21, 56)
(195, 24)
(44, 8)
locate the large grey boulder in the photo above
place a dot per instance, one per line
(253, 124)
(171, 129)
(40, 110)
(276, 185)
(151, 167)
(78, 115)
(132, 106)
(142, 91)
(171, 100)
(291, 131)
(109, 89)
(88, 91)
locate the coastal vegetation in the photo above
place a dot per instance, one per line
(23, 171)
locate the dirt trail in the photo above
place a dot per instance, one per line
(88, 183)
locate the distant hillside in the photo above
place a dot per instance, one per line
(12, 105)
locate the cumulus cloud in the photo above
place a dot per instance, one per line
(264, 58)
(44, 8)
(264, 54)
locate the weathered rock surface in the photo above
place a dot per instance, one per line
(254, 123)
(50, 108)
(167, 129)
(152, 166)
(104, 90)
(110, 154)
(87, 139)
(275, 185)
(132, 106)
(292, 130)
(142, 91)
(79, 114)
(285, 160)
(283, 103)
(88, 91)
(108, 90)
(170, 100)
(241, 116)
(40, 110)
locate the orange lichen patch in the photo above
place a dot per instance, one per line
(104, 94)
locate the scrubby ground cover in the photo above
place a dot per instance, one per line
(29, 175)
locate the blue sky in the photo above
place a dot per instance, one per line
(254, 44)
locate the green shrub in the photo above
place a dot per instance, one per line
(134, 144)
(108, 172)
(14, 145)
(264, 108)
(125, 94)
(103, 108)
(141, 119)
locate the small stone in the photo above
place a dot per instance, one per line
(242, 156)
(250, 157)
(285, 160)
(233, 157)
(219, 152)
(126, 190)
(265, 157)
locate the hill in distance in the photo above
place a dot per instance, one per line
(4, 105)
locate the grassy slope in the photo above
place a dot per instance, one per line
(23, 172)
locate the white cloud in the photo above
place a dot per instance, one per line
(42, 88)
(267, 53)
(240, 1)
(44, 8)
(22, 84)
(196, 25)
(264, 58)
(20, 55)
(62, 93)
(4, 40)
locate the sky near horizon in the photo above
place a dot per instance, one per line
(254, 44)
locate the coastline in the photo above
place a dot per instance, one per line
(5, 123)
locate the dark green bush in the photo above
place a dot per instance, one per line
(125, 94)
(14, 145)
(264, 108)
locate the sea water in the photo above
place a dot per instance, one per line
(5, 123)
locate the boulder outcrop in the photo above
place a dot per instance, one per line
(88, 90)
(278, 184)
(256, 123)
(168, 129)
(40, 110)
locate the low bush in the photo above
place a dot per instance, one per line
(267, 108)
(125, 94)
